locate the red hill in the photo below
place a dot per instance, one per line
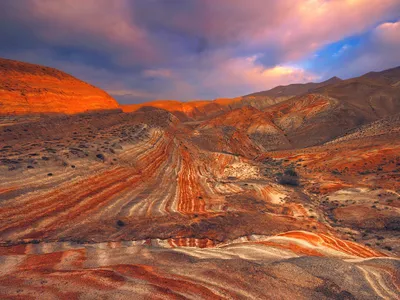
(28, 88)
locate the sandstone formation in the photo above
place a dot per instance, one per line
(31, 89)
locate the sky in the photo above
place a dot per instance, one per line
(142, 50)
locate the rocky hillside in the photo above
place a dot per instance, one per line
(296, 89)
(375, 93)
(29, 89)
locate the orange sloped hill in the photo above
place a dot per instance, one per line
(242, 118)
(170, 105)
(191, 109)
(28, 89)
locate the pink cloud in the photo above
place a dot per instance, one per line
(388, 33)
(380, 52)
(309, 25)
(247, 74)
(230, 78)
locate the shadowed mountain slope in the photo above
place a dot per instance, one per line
(375, 93)
(292, 90)
(332, 110)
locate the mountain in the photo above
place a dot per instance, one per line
(192, 109)
(390, 76)
(210, 108)
(294, 89)
(29, 89)
(377, 93)
(203, 109)
(245, 124)
(336, 107)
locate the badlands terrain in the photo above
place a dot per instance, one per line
(292, 193)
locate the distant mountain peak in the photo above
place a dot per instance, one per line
(295, 89)
(331, 80)
(335, 78)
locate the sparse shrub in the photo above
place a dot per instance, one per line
(120, 223)
(100, 156)
(49, 174)
(289, 180)
(289, 177)
(290, 172)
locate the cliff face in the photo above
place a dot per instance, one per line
(27, 89)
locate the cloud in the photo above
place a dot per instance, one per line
(342, 50)
(230, 78)
(378, 50)
(131, 93)
(312, 24)
(197, 48)
(288, 29)
(90, 26)
(388, 34)
(239, 76)
(157, 73)
(131, 96)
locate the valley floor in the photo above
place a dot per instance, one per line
(106, 205)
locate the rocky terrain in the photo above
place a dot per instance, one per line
(221, 199)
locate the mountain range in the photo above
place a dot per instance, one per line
(286, 193)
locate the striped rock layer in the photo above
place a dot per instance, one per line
(122, 205)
